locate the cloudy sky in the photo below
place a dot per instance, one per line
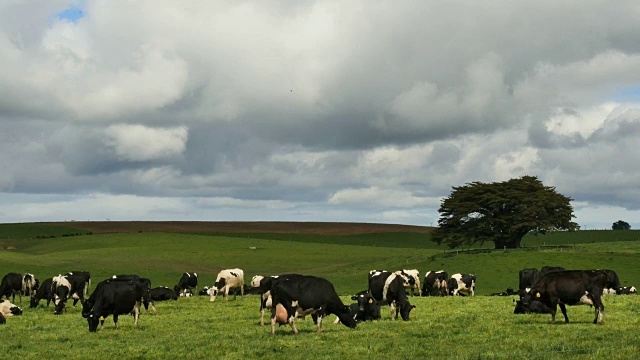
(366, 111)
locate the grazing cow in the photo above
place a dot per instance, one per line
(188, 281)
(573, 287)
(8, 309)
(625, 290)
(411, 279)
(297, 296)
(145, 283)
(112, 297)
(462, 282)
(435, 283)
(162, 293)
(388, 289)
(613, 282)
(548, 269)
(68, 286)
(10, 286)
(43, 292)
(86, 276)
(528, 277)
(28, 284)
(226, 280)
(263, 285)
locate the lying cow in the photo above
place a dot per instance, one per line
(10, 286)
(366, 308)
(410, 279)
(625, 290)
(573, 287)
(435, 283)
(112, 297)
(227, 280)
(162, 293)
(528, 277)
(306, 295)
(43, 292)
(8, 309)
(462, 282)
(388, 289)
(188, 281)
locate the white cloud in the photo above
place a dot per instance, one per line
(141, 143)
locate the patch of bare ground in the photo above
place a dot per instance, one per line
(319, 228)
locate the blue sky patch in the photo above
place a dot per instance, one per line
(73, 14)
(629, 94)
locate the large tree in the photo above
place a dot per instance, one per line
(501, 212)
(621, 225)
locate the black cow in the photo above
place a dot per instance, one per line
(86, 276)
(306, 295)
(68, 286)
(388, 289)
(528, 277)
(145, 283)
(435, 283)
(10, 286)
(548, 269)
(613, 282)
(43, 292)
(188, 281)
(112, 297)
(572, 287)
(366, 309)
(162, 293)
(462, 282)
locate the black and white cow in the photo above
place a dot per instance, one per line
(435, 283)
(8, 309)
(229, 279)
(388, 289)
(28, 284)
(86, 276)
(145, 283)
(366, 307)
(10, 286)
(66, 287)
(626, 290)
(162, 293)
(112, 297)
(613, 282)
(263, 284)
(528, 277)
(307, 295)
(188, 281)
(462, 282)
(411, 279)
(572, 287)
(43, 292)
(204, 291)
(508, 292)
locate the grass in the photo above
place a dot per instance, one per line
(454, 328)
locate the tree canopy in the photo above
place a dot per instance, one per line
(621, 225)
(501, 212)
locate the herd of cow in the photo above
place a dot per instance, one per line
(292, 296)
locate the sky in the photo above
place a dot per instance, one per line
(332, 110)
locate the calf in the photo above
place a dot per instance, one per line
(462, 282)
(8, 309)
(10, 286)
(112, 297)
(528, 277)
(435, 283)
(226, 280)
(307, 295)
(162, 293)
(388, 289)
(410, 279)
(28, 284)
(573, 287)
(188, 281)
(43, 292)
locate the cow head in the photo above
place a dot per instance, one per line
(15, 310)
(33, 303)
(93, 320)
(405, 309)
(345, 316)
(213, 291)
(532, 302)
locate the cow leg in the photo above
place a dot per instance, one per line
(226, 294)
(563, 307)
(391, 308)
(136, 313)
(115, 320)
(319, 323)
(293, 325)
(242, 292)
(597, 303)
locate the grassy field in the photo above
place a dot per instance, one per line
(459, 328)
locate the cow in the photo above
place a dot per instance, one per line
(84, 275)
(162, 293)
(569, 287)
(43, 292)
(112, 297)
(28, 284)
(462, 282)
(528, 277)
(613, 282)
(2, 319)
(625, 290)
(263, 285)
(8, 309)
(188, 281)
(297, 296)
(10, 286)
(435, 283)
(68, 286)
(366, 307)
(548, 269)
(145, 283)
(226, 280)
(204, 291)
(411, 280)
(508, 292)
(388, 289)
